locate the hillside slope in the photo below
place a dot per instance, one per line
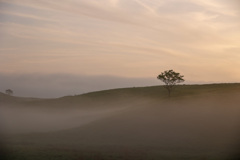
(115, 95)
(197, 122)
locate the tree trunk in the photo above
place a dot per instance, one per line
(169, 92)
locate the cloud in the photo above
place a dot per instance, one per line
(24, 15)
(132, 38)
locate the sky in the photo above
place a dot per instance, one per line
(59, 47)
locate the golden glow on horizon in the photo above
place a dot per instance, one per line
(129, 38)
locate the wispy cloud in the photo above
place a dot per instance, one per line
(133, 38)
(24, 15)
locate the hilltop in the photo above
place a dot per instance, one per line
(122, 94)
(196, 122)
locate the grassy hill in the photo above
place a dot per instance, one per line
(196, 122)
(153, 92)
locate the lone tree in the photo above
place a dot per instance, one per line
(9, 92)
(170, 78)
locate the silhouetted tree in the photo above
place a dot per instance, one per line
(9, 92)
(170, 78)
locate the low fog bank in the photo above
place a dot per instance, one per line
(58, 85)
(21, 120)
(26, 115)
(189, 125)
(201, 126)
(197, 128)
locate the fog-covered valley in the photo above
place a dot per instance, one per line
(197, 122)
(26, 120)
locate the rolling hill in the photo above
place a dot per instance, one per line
(196, 122)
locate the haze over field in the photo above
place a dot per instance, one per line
(59, 57)
(124, 41)
(197, 122)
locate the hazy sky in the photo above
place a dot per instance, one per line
(135, 39)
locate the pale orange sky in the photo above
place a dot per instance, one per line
(124, 38)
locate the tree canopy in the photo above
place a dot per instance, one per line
(9, 92)
(170, 78)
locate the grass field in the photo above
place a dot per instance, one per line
(196, 122)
